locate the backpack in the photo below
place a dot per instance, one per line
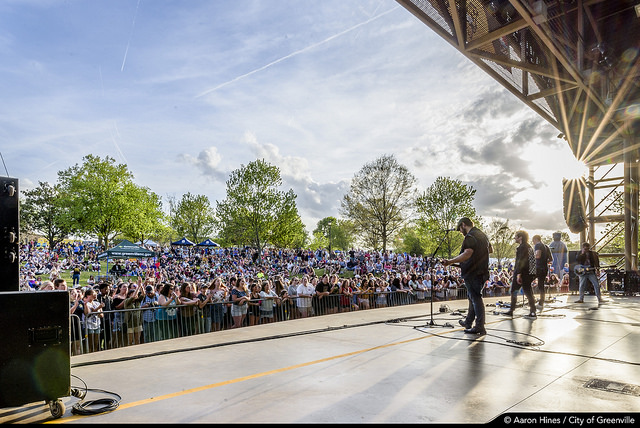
(549, 255)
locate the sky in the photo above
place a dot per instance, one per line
(184, 92)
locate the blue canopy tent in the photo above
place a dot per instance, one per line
(207, 243)
(184, 242)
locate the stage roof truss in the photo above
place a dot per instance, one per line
(574, 62)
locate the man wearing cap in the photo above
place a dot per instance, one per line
(474, 266)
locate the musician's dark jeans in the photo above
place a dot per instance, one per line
(527, 279)
(542, 276)
(591, 276)
(474, 285)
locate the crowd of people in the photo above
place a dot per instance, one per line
(189, 290)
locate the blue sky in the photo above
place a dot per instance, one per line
(184, 92)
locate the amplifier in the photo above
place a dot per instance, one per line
(35, 354)
(615, 281)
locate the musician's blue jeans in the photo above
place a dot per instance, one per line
(474, 285)
(591, 276)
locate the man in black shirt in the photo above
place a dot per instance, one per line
(589, 261)
(523, 274)
(542, 253)
(474, 266)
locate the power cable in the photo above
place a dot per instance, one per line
(93, 407)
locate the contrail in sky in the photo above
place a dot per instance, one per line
(115, 143)
(296, 53)
(130, 36)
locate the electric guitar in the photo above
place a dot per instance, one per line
(583, 270)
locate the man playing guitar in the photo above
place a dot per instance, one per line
(588, 267)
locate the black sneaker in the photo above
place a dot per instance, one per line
(475, 330)
(532, 315)
(579, 301)
(464, 323)
(508, 314)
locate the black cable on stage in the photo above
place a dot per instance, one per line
(93, 407)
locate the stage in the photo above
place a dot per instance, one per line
(386, 365)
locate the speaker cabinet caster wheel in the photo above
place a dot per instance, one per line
(57, 408)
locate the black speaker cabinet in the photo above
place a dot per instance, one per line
(631, 282)
(615, 281)
(9, 232)
(35, 354)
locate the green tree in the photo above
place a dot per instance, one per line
(334, 234)
(441, 206)
(255, 212)
(147, 219)
(42, 212)
(99, 196)
(410, 240)
(500, 234)
(192, 217)
(379, 200)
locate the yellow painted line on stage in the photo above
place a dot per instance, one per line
(242, 379)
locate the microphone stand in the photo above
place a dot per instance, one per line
(431, 260)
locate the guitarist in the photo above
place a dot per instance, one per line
(591, 262)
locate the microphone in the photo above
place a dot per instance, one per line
(450, 230)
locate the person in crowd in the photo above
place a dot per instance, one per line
(218, 292)
(305, 293)
(253, 310)
(104, 296)
(321, 297)
(474, 266)
(366, 293)
(119, 326)
(75, 275)
(346, 295)
(133, 316)
(47, 286)
(60, 284)
(92, 314)
(589, 260)
(269, 300)
(382, 290)
(204, 308)
(333, 300)
(240, 298)
(166, 317)
(150, 303)
(187, 315)
(523, 274)
(76, 311)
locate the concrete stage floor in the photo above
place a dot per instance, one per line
(376, 366)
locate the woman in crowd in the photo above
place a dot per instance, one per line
(240, 297)
(333, 299)
(167, 313)
(133, 315)
(77, 326)
(187, 313)
(92, 315)
(269, 300)
(382, 290)
(254, 303)
(118, 325)
(218, 292)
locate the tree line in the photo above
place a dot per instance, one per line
(383, 209)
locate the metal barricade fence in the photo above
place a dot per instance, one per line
(129, 327)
